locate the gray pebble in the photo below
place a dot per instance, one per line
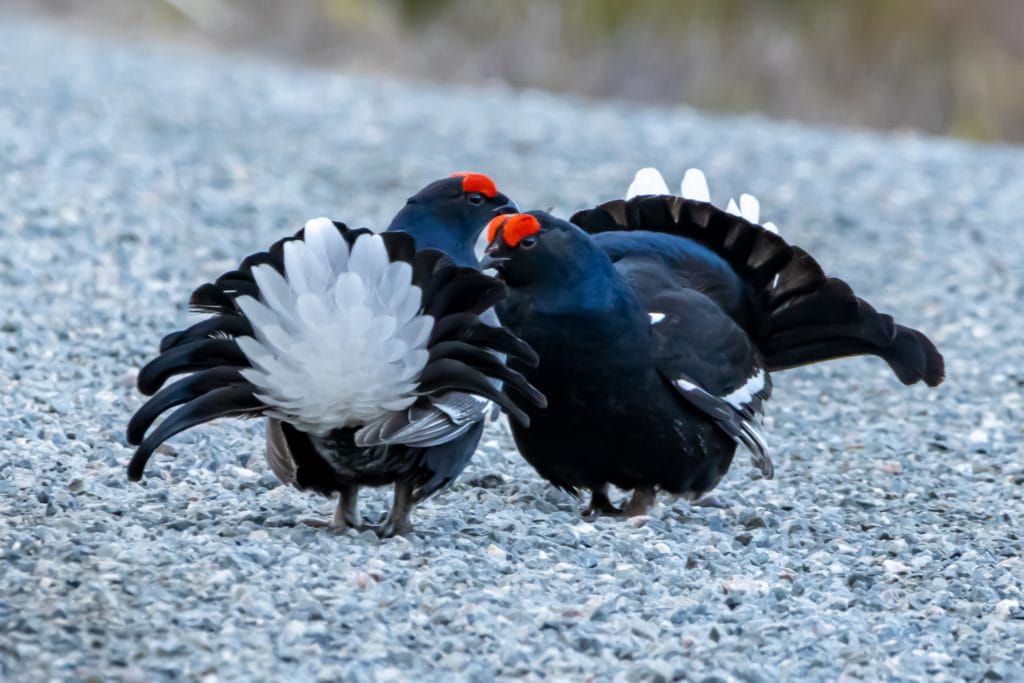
(888, 546)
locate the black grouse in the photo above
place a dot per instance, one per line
(657, 321)
(370, 355)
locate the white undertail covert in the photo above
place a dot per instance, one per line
(339, 339)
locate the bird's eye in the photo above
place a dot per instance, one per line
(475, 198)
(528, 242)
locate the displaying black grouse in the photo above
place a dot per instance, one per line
(656, 335)
(369, 354)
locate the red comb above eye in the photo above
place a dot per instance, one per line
(494, 226)
(516, 227)
(477, 182)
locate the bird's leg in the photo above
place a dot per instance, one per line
(397, 523)
(346, 513)
(640, 502)
(600, 504)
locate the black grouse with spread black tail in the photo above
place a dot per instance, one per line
(657, 321)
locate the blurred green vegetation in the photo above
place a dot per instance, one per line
(951, 67)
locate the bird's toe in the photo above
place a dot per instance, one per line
(391, 528)
(712, 501)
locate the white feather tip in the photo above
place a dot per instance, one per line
(647, 181)
(695, 186)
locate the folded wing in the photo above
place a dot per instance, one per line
(713, 365)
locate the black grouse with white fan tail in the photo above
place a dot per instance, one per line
(368, 355)
(657, 321)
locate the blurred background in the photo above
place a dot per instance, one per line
(950, 67)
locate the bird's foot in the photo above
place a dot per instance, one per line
(392, 527)
(591, 514)
(640, 503)
(711, 501)
(330, 525)
(600, 505)
(346, 513)
(397, 523)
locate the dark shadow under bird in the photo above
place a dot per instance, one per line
(658, 321)
(375, 358)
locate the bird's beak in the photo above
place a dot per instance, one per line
(491, 259)
(488, 262)
(508, 207)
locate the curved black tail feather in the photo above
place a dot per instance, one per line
(801, 315)
(235, 400)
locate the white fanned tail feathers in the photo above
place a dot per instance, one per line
(647, 181)
(695, 186)
(339, 339)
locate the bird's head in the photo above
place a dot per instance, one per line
(450, 213)
(536, 249)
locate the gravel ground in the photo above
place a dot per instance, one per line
(889, 546)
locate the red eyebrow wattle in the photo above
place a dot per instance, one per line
(494, 226)
(513, 228)
(477, 182)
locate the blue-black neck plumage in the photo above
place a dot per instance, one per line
(573, 283)
(455, 235)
